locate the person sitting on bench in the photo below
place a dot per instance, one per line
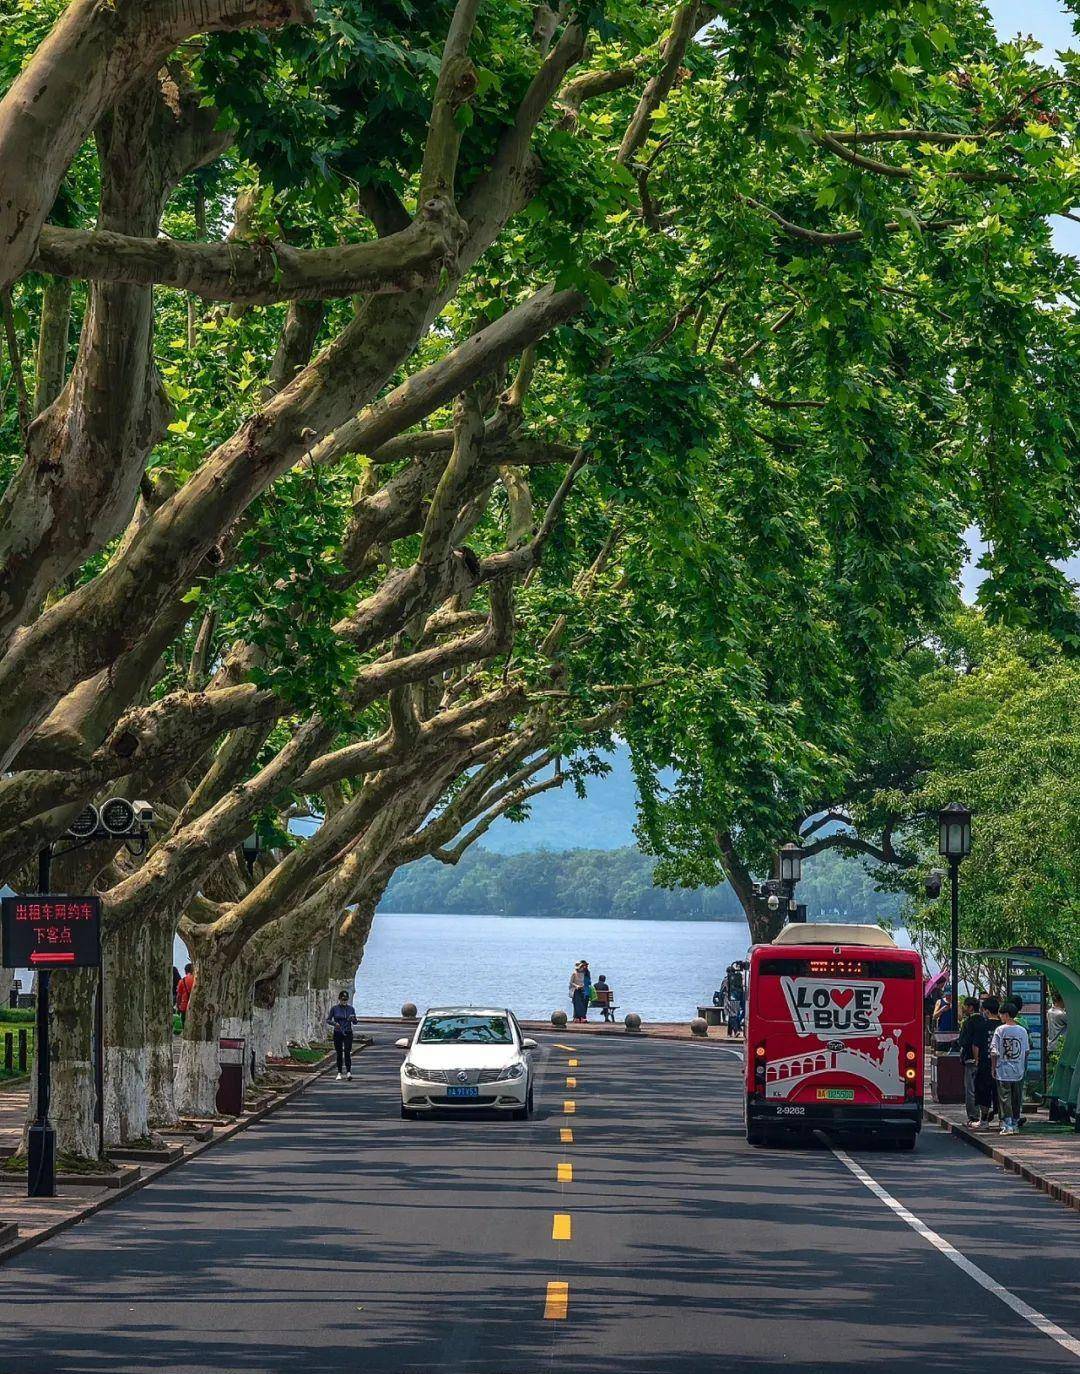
(605, 998)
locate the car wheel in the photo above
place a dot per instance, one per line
(529, 1107)
(406, 1114)
(907, 1141)
(756, 1136)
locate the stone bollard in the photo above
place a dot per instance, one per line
(558, 1019)
(699, 1026)
(409, 1011)
(632, 1021)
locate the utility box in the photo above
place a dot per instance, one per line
(230, 1092)
(947, 1078)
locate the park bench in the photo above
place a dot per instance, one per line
(605, 1000)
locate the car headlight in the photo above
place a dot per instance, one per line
(514, 1070)
(412, 1071)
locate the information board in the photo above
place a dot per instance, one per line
(51, 932)
(1028, 987)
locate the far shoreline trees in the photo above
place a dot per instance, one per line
(616, 884)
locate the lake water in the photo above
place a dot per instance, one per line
(661, 969)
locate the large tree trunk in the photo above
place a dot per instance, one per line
(197, 1068)
(278, 1047)
(86, 453)
(159, 1024)
(92, 53)
(127, 953)
(71, 1056)
(298, 1000)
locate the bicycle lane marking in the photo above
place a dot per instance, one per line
(951, 1253)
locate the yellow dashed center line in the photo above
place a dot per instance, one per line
(558, 1299)
(564, 1172)
(569, 1108)
(571, 1063)
(571, 1082)
(570, 1049)
(560, 1226)
(566, 1135)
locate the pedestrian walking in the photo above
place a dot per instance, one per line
(578, 995)
(1009, 1051)
(1057, 1022)
(971, 1030)
(604, 997)
(342, 1018)
(183, 992)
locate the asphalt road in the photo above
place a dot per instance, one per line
(334, 1236)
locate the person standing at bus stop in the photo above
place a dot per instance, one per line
(971, 1030)
(342, 1018)
(1009, 1051)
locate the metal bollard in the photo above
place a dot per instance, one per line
(22, 1050)
(9, 1051)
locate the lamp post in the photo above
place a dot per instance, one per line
(790, 873)
(954, 843)
(117, 819)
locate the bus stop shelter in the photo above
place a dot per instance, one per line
(1063, 1091)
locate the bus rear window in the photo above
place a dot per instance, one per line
(835, 967)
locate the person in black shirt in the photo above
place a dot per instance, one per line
(343, 1017)
(985, 1087)
(969, 1029)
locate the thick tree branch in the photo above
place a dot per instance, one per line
(254, 273)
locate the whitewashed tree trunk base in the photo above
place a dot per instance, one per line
(127, 1095)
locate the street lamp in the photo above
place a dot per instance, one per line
(791, 857)
(954, 843)
(791, 863)
(251, 849)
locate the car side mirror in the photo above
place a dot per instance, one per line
(403, 1044)
(528, 1044)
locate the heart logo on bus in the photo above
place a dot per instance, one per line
(827, 1007)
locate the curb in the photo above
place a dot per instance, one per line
(115, 1194)
(660, 1030)
(1058, 1191)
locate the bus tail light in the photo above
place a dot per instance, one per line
(911, 1073)
(759, 1063)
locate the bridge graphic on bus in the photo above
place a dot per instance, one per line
(782, 1075)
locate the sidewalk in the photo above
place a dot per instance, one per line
(1045, 1153)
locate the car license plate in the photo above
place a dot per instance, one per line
(463, 1092)
(836, 1094)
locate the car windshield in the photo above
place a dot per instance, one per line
(466, 1030)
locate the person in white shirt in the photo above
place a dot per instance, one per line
(1008, 1054)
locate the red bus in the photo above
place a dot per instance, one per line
(834, 1035)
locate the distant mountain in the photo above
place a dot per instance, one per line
(604, 819)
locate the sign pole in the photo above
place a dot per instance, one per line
(41, 1141)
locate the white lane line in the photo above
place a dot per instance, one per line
(725, 1049)
(981, 1277)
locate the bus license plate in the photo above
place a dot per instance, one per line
(463, 1092)
(836, 1094)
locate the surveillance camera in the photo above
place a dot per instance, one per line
(144, 813)
(773, 903)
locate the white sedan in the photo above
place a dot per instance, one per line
(471, 1058)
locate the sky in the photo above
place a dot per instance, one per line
(1049, 23)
